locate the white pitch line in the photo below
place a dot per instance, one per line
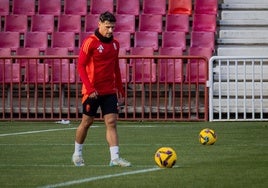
(86, 180)
(32, 132)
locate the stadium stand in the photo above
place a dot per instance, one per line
(100, 6)
(203, 39)
(52, 7)
(206, 7)
(204, 22)
(180, 7)
(63, 40)
(124, 67)
(62, 51)
(10, 73)
(5, 52)
(77, 7)
(124, 39)
(29, 52)
(128, 7)
(177, 22)
(36, 39)
(154, 7)
(23, 7)
(36, 73)
(151, 22)
(43, 23)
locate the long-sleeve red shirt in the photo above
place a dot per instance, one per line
(98, 67)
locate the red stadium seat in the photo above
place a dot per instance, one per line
(4, 8)
(197, 69)
(56, 52)
(124, 39)
(36, 40)
(43, 22)
(10, 73)
(203, 39)
(91, 22)
(5, 52)
(25, 7)
(170, 70)
(154, 7)
(124, 67)
(204, 22)
(37, 73)
(150, 22)
(206, 7)
(63, 73)
(128, 7)
(63, 40)
(146, 39)
(52, 7)
(100, 6)
(77, 7)
(125, 23)
(34, 52)
(177, 22)
(174, 39)
(10, 40)
(143, 70)
(180, 7)
(69, 23)
(16, 23)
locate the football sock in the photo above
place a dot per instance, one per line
(114, 151)
(78, 148)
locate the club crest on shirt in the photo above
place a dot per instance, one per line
(100, 48)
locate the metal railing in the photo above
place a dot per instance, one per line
(156, 88)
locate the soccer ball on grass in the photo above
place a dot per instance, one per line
(207, 136)
(165, 157)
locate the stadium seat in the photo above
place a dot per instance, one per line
(174, 39)
(69, 23)
(180, 7)
(43, 22)
(204, 22)
(203, 39)
(150, 22)
(143, 70)
(100, 6)
(10, 73)
(10, 40)
(124, 39)
(4, 9)
(56, 52)
(206, 7)
(63, 40)
(36, 40)
(177, 22)
(29, 52)
(91, 22)
(5, 52)
(124, 67)
(77, 7)
(52, 7)
(16, 23)
(128, 7)
(146, 39)
(170, 70)
(36, 73)
(63, 73)
(154, 7)
(24, 7)
(197, 69)
(125, 23)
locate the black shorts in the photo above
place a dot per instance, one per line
(108, 104)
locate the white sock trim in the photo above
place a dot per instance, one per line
(114, 151)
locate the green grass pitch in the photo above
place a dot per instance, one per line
(38, 154)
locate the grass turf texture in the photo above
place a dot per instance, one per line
(38, 154)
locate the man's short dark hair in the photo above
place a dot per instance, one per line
(107, 16)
